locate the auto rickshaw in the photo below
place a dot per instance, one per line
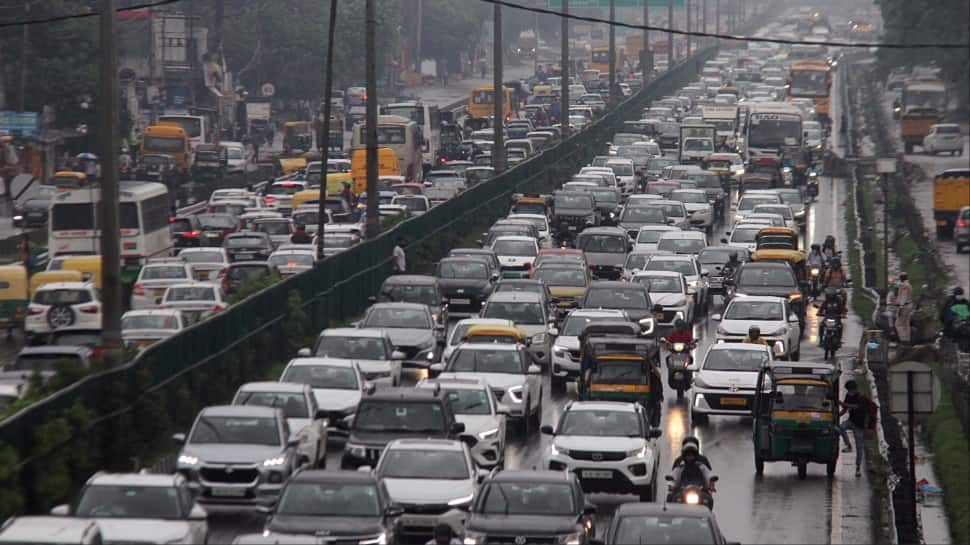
(796, 416)
(622, 369)
(66, 180)
(777, 238)
(88, 265)
(289, 165)
(297, 137)
(13, 296)
(46, 277)
(495, 334)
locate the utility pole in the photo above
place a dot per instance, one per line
(670, 35)
(370, 61)
(498, 115)
(646, 41)
(325, 131)
(687, 7)
(717, 16)
(419, 25)
(564, 73)
(24, 41)
(108, 207)
(704, 18)
(612, 94)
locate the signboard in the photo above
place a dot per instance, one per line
(573, 4)
(23, 123)
(926, 389)
(267, 89)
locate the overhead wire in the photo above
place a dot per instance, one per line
(59, 18)
(588, 19)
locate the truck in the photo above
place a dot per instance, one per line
(724, 119)
(951, 192)
(922, 105)
(696, 143)
(258, 115)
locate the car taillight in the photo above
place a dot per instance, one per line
(191, 234)
(269, 200)
(961, 222)
(97, 352)
(34, 311)
(217, 308)
(90, 309)
(138, 290)
(222, 272)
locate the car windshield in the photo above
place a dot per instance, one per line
(719, 256)
(745, 234)
(293, 404)
(689, 197)
(644, 214)
(351, 348)
(573, 201)
(486, 361)
(603, 244)
(291, 260)
(661, 284)
(236, 430)
(600, 423)
(662, 188)
(573, 277)
(130, 502)
(523, 498)
(683, 266)
(673, 210)
(657, 165)
(519, 313)
(424, 294)
(243, 242)
(164, 272)
(671, 530)
(800, 397)
(245, 272)
(273, 227)
(399, 416)
(468, 401)
(147, 321)
(202, 257)
(463, 269)
(735, 360)
(189, 293)
(694, 144)
(521, 248)
(782, 210)
(748, 203)
(321, 377)
(61, 297)
(754, 310)
(681, 245)
(609, 196)
(413, 204)
(315, 499)
(575, 324)
(650, 236)
(423, 464)
(398, 318)
(217, 221)
(767, 277)
(621, 169)
(620, 298)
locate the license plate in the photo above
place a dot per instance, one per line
(203, 275)
(572, 227)
(461, 301)
(429, 522)
(158, 293)
(596, 474)
(716, 284)
(244, 256)
(740, 401)
(34, 215)
(212, 235)
(229, 492)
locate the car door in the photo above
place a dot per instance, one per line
(794, 327)
(317, 431)
(198, 529)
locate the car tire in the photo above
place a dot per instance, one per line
(60, 316)
(796, 355)
(759, 465)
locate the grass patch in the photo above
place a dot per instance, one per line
(951, 463)
(860, 303)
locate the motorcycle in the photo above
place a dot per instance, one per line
(678, 376)
(815, 275)
(831, 336)
(811, 188)
(691, 493)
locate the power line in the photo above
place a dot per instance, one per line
(727, 36)
(59, 18)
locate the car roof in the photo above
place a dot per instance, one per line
(133, 479)
(279, 387)
(422, 279)
(453, 445)
(758, 299)
(663, 509)
(316, 360)
(466, 383)
(765, 264)
(403, 393)
(514, 238)
(353, 332)
(604, 231)
(601, 406)
(670, 257)
(490, 347)
(331, 476)
(55, 350)
(152, 312)
(598, 313)
(514, 297)
(683, 234)
(740, 346)
(486, 321)
(514, 475)
(241, 411)
(64, 286)
(399, 305)
(657, 273)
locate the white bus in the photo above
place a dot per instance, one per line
(144, 213)
(429, 125)
(195, 126)
(401, 135)
(772, 129)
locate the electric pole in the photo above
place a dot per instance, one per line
(645, 51)
(419, 24)
(108, 207)
(704, 18)
(24, 41)
(372, 225)
(564, 73)
(687, 7)
(324, 145)
(670, 35)
(612, 94)
(717, 16)
(498, 115)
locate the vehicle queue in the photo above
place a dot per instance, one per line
(597, 284)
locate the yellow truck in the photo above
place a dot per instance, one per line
(951, 192)
(923, 105)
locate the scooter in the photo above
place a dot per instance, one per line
(678, 376)
(691, 493)
(831, 337)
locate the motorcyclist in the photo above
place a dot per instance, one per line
(690, 470)
(835, 275)
(815, 257)
(700, 457)
(681, 333)
(958, 310)
(731, 266)
(828, 247)
(832, 307)
(754, 336)
(300, 235)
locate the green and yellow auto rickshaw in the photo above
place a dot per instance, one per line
(621, 369)
(297, 137)
(796, 416)
(13, 296)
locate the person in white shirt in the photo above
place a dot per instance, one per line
(399, 259)
(904, 310)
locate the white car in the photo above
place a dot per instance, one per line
(668, 289)
(762, 218)
(196, 300)
(725, 381)
(60, 305)
(206, 263)
(236, 154)
(457, 333)
(142, 328)
(682, 242)
(279, 195)
(337, 385)
(603, 171)
(772, 315)
(307, 423)
(625, 174)
(749, 200)
(944, 137)
(290, 262)
(279, 229)
(649, 236)
(699, 210)
(782, 210)
(690, 267)
(565, 349)
(154, 278)
(539, 220)
(744, 236)
(608, 445)
(415, 204)
(516, 254)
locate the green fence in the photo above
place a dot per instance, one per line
(125, 416)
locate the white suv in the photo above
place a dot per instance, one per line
(725, 382)
(155, 277)
(63, 304)
(609, 445)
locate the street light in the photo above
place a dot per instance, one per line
(885, 167)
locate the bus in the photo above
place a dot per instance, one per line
(167, 139)
(599, 59)
(402, 136)
(195, 126)
(144, 212)
(811, 79)
(772, 130)
(428, 119)
(481, 105)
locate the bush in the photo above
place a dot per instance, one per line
(951, 462)
(251, 286)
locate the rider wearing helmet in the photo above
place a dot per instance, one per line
(832, 307)
(956, 308)
(731, 266)
(828, 247)
(754, 336)
(835, 276)
(697, 445)
(690, 469)
(815, 258)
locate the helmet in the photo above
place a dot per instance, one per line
(679, 324)
(689, 447)
(836, 263)
(816, 247)
(754, 331)
(690, 439)
(957, 291)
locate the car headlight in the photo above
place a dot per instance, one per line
(637, 452)
(783, 330)
(357, 451)
(473, 538)
(379, 540)
(488, 434)
(739, 172)
(18, 217)
(462, 501)
(571, 539)
(557, 451)
(187, 460)
(699, 382)
(559, 352)
(274, 462)
(515, 393)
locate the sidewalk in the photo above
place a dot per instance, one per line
(933, 522)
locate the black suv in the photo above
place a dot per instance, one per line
(415, 288)
(514, 507)
(466, 282)
(572, 211)
(396, 413)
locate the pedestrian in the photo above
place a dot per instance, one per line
(858, 407)
(443, 535)
(904, 308)
(399, 259)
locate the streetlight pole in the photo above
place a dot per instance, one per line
(689, 40)
(324, 145)
(370, 62)
(646, 41)
(498, 138)
(612, 94)
(670, 35)
(564, 73)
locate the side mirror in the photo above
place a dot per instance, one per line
(303, 353)
(654, 433)
(478, 241)
(716, 317)
(792, 318)
(198, 513)
(393, 511)
(344, 423)
(370, 298)
(546, 429)
(436, 369)
(179, 438)
(714, 479)
(495, 277)
(458, 427)
(724, 241)
(669, 478)
(62, 510)
(705, 272)
(293, 443)
(534, 370)
(589, 510)
(778, 350)
(397, 355)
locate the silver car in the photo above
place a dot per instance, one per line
(725, 381)
(668, 289)
(337, 385)
(371, 349)
(565, 351)
(308, 424)
(475, 406)
(649, 236)
(690, 267)
(772, 315)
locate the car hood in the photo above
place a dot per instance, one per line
(525, 525)
(605, 259)
(668, 299)
(477, 423)
(379, 439)
(696, 207)
(336, 400)
(326, 526)
(494, 380)
(424, 491)
(726, 379)
(598, 443)
(740, 327)
(410, 337)
(573, 212)
(232, 454)
(469, 285)
(774, 291)
(567, 343)
(135, 530)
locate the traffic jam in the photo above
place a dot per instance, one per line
(556, 381)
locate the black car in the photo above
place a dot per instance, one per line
(349, 506)
(248, 246)
(186, 231)
(396, 413)
(415, 288)
(215, 227)
(771, 279)
(607, 203)
(630, 297)
(634, 217)
(572, 211)
(209, 162)
(158, 168)
(466, 282)
(32, 212)
(530, 507)
(663, 523)
(487, 253)
(243, 271)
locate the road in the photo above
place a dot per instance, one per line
(774, 508)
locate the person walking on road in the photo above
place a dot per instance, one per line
(399, 259)
(857, 405)
(904, 308)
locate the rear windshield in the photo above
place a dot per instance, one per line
(62, 297)
(171, 272)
